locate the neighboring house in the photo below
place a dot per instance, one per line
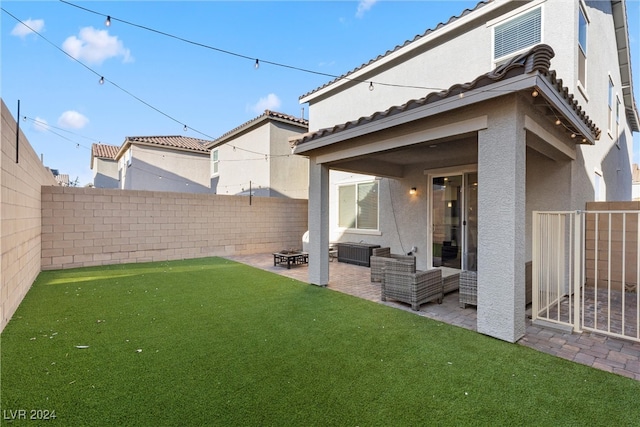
(456, 172)
(164, 163)
(104, 165)
(61, 178)
(256, 157)
(635, 182)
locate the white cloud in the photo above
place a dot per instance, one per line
(364, 6)
(95, 46)
(270, 102)
(72, 119)
(30, 25)
(40, 125)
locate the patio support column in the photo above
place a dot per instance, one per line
(318, 223)
(501, 222)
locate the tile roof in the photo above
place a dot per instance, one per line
(268, 114)
(104, 151)
(172, 141)
(537, 59)
(398, 47)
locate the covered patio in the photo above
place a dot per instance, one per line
(507, 139)
(600, 352)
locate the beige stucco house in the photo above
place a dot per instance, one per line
(104, 165)
(448, 143)
(164, 163)
(256, 158)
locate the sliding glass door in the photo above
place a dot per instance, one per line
(454, 205)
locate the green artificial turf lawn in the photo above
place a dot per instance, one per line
(214, 342)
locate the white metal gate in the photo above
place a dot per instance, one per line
(586, 270)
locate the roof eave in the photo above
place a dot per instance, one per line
(473, 96)
(250, 125)
(621, 28)
(366, 69)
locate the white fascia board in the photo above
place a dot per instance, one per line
(404, 50)
(484, 93)
(551, 94)
(465, 126)
(123, 148)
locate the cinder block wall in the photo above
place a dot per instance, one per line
(624, 258)
(88, 226)
(20, 219)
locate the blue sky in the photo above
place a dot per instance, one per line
(207, 90)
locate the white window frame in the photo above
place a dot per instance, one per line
(496, 24)
(610, 106)
(599, 187)
(355, 201)
(618, 106)
(582, 11)
(215, 162)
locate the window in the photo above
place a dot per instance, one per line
(358, 206)
(214, 162)
(610, 101)
(127, 156)
(599, 188)
(517, 34)
(617, 118)
(582, 47)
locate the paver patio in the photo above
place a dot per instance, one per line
(595, 350)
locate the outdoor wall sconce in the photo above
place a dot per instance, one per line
(413, 191)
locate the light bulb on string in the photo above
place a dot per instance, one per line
(108, 21)
(257, 64)
(370, 85)
(185, 128)
(558, 122)
(24, 119)
(101, 81)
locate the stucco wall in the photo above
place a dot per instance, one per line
(158, 169)
(105, 173)
(289, 173)
(20, 219)
(281, 174)
(87, 226)
(472, 45)
(239, 167)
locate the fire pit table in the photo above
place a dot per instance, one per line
(290, 258)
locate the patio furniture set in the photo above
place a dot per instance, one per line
(399, 280)
(396, 273)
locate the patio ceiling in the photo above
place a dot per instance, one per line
(450, 151)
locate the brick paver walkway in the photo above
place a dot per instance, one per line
(595, 350)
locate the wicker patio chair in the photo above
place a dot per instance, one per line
(401, 282)
(380, 255)
(468, 290)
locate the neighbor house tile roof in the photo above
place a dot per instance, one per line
(398, 47)
(537, 59)
(172, 141)
(104, 151)
(268, 114)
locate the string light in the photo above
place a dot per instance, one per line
(534, 93)
(257, 65)
(108, 21)
(97, 74)
(370, 86)
(101, 81)
(558, 122)
(238, 55)
(185, 128)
